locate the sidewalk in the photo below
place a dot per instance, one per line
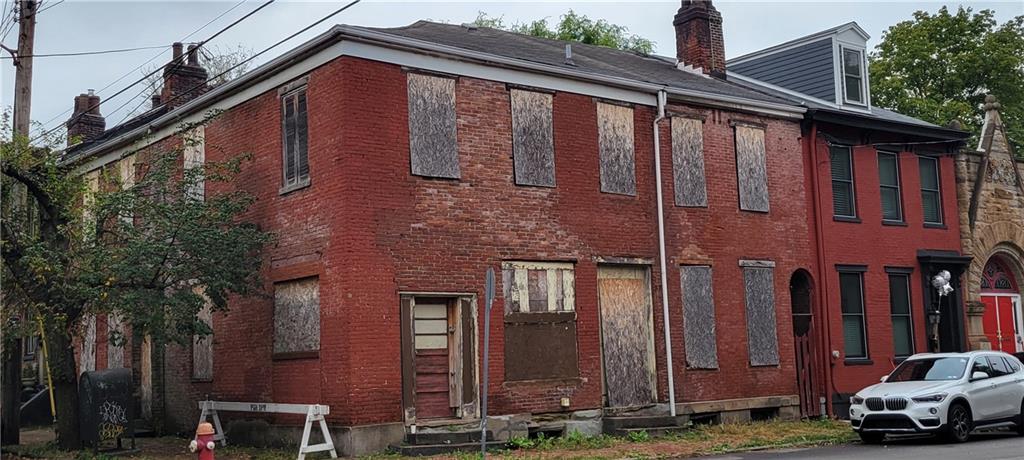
(701, 440)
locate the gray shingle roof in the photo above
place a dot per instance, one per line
(589, 58)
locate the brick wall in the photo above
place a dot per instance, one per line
(369, 230)
(870, 242)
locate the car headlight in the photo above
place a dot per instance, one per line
(856, 400)
(934, 398)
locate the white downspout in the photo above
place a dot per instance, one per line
(662, 97)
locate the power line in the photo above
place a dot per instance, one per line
(88, 53)
(51, 6)
(243, 62)
(176, 61)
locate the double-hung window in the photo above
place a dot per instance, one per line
(851, 292)
(843, 200)
(853, 76)
(902, 320)
(889, 181)
(295, 139)
(931, 201)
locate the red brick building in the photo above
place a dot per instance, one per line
(884, 196)
(397, 165)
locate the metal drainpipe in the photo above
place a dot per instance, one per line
(819, 238)
(662, 97)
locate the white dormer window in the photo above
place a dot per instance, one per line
(853, 76)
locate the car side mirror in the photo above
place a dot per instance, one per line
(978, 375)
(883, 379)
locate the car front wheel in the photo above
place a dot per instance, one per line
(958, 423)
(871, 438)
(1020, 420)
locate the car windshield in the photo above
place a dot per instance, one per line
(927, 369)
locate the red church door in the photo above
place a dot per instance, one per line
(1003, 320)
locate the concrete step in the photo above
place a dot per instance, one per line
(438, 449)
(143, 429)
(650, 421)
(654, 432)
(427, 438)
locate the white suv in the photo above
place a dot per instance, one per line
(935, 393)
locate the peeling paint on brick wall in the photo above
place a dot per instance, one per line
(432, 144)
(688, 162)
(115, 348)
(762, 341)
(750, 168)
(533, 146)
(87, 359)
(615, 142)
(699, 317)
(297, 316)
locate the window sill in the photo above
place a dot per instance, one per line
(899, 359)
(204, 380)
(563, 381)
(935, 225)
(858, 362)
(755, 211)
(854, 220)
(295, 355)
(894, 223)
(291, 188)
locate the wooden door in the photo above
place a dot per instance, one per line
(1002, 322)
(627, 337)
(432, 340)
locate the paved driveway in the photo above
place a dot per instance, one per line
(986, 446)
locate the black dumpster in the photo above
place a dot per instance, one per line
(105, 406)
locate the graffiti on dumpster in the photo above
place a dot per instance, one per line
(113, 419)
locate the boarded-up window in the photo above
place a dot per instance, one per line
(297, 316)
(688, 162)
(195, 158)
(615, 142)
(533, 148)
(699, 317)
(202, 347)
(432, 145)
(751, 171)
(115, 341)
(126, 173)
(540, 321)
(759, 284)
(296, 155)
(87, 357)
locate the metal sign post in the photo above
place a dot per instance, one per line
(489, 298)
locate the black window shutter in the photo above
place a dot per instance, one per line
(289, 140)
(301, 130)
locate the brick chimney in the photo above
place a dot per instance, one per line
(85, 123)
(184, 78)
(699, 41)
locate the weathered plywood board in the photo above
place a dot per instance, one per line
(751, 168)
(626, 337)
(538, 287)
(699, 317)
(615, 143)
(202, 347)
(432, 143)
(87, 359)
(115, 341)
(762, 340)
(688, 162)
(533, 147)
(297, 316)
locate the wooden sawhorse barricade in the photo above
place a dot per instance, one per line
(313, 413)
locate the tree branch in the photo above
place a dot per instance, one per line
(34, 187)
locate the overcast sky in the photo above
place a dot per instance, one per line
(83, 25)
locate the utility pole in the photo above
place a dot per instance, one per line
(23, 64)
(10, 403)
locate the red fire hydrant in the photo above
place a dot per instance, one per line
(203, 441)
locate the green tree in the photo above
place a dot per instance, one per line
(939, 67)
(574, 27)
(152, 250)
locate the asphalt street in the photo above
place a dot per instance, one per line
(988, 446)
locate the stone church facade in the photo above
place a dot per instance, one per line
(990, 190)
